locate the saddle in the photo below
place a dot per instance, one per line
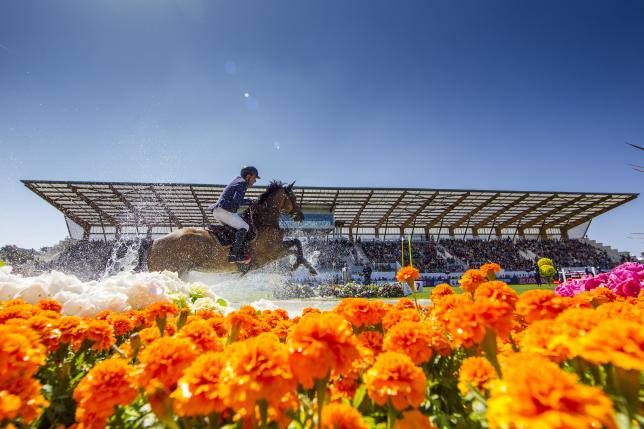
(225, 234)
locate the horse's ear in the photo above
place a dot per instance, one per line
(289, 187)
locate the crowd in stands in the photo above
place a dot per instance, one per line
(476, 252)
(568, 253)
(331, 252)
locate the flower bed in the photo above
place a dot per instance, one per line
(624, 280)
(486, 358)
(348, 290)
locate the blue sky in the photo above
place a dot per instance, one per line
(524, 95)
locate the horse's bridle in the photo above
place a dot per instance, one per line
(296, 208)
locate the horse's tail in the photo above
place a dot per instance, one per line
(144, 248)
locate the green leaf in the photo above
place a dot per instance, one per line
(359, 396)
(222, 302)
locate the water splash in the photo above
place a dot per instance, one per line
(124, 257)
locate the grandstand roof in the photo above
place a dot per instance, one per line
(119, 204)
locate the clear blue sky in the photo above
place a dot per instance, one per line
(524, 95)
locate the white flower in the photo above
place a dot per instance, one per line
(264, 304)
(33, 293)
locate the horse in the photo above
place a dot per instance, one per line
(196, 249)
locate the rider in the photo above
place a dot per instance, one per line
(225, 209)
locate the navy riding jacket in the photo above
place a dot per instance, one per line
(233, 196)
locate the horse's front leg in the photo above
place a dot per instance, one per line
(299, 255)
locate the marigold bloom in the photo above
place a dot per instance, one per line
(9, 405)
(164, 361)
(446, 304)
(478, 372)
(620, 342)
(498, 316)
(257, 370)
(372, 340)
(72, 330)
(602, 295)
(496, 291)
(540, 304)
(21, 353)
(310, 310)
(541, 338)
(407, 273)
(471, 280)
(404, 303)
(361, 312)
(121, 324)
(109, 383)
(320, 344)
(202, 335)
(489, 268)
(396, 316)
(342, 416)
(536, 393)
(160, 310)
(50, 304)
(466, 324)
(245, 323)
(46, 328)
(197, 392)
(100, 333)
(394, 377)
(415, 339)
(18, 311)
(27, 391)
(413, 419)
(441, 290)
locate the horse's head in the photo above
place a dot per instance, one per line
(282, 199)
(291, 207)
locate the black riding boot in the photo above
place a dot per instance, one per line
(237, 249)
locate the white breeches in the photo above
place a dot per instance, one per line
(230, 219)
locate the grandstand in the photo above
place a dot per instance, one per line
(453, 229)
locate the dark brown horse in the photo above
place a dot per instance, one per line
(195, 249)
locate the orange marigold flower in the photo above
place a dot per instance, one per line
(320, 344)
(536, 393)
(602, 295)
(164, 361)
(466, 324)
(407, 273)
(404, 303)
(478, 372)
(361, 312)
(218, 323)
(541, 338)
(121, 324)
(396, 316)
(497, 291)
(489, 269)
(109, 383)
(100, 333)
(415, 339)
(396, 378)
(539, 304)
(50, 304)
(245, 323)
(9, 405)
(342, 416)
(136, 317)
(104, 315)
(160, 310)
(620, 342)
(471, 280)
(372, 340)
(72, 331)
(21, 353)
(149, 335)
(197, 392)
(47, 329)
(441, 291)
(446, 304)
(310, 310)
(413, 419)
(257, 370)
(202, 335)
(28, 391)
(18, 311)
(498, 316)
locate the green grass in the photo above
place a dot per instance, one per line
(518, 288)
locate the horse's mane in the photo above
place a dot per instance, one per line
(272, 187)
